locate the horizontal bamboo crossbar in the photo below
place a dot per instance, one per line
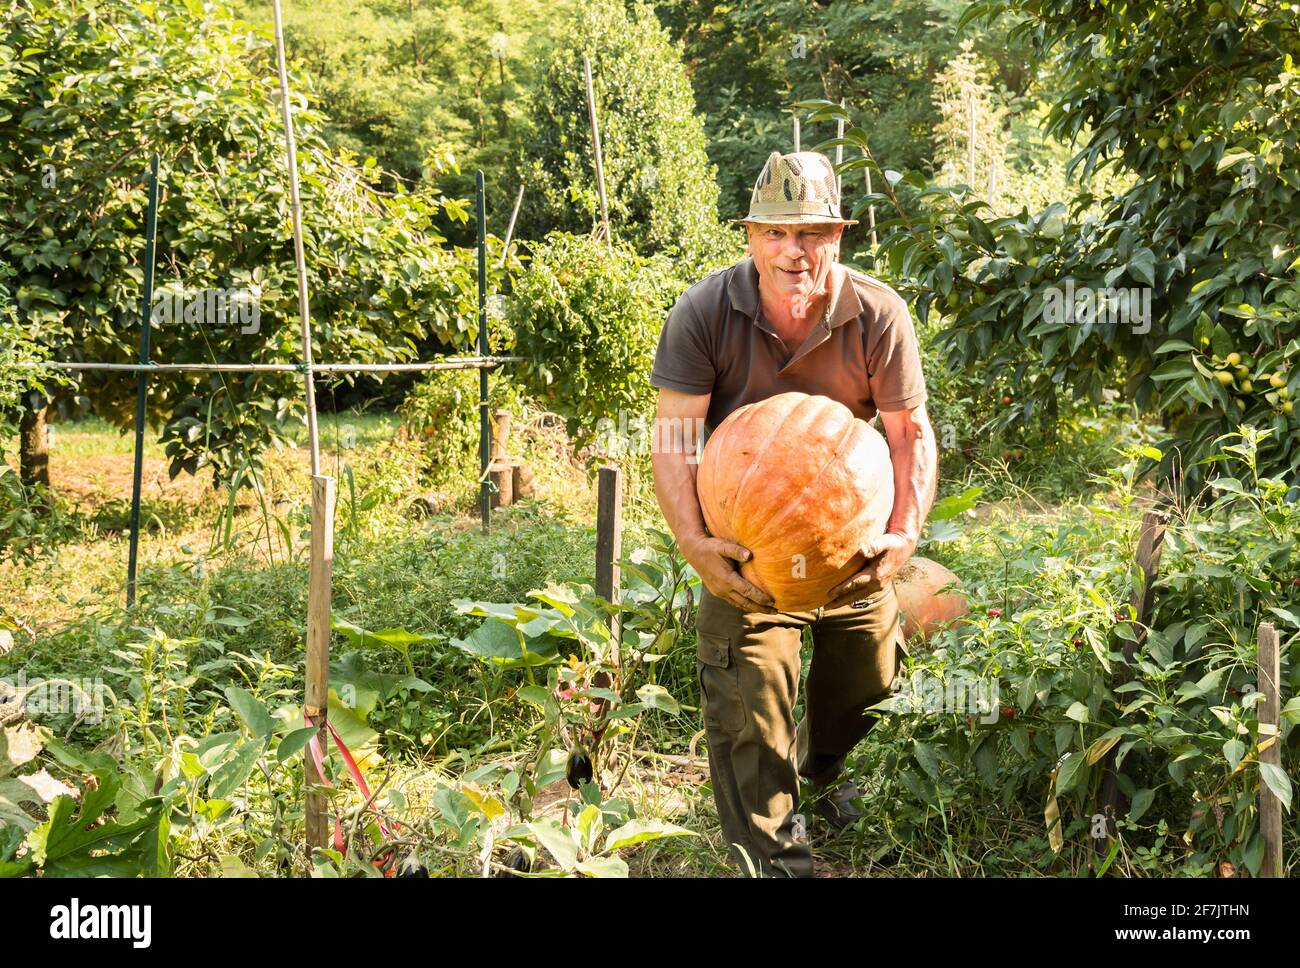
(468, 363)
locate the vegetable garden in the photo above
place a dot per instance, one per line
(371, 633)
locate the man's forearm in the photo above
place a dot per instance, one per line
(675, 489)
(915, 461)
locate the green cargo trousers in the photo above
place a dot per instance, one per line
(748, 667)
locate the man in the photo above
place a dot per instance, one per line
(791, 318)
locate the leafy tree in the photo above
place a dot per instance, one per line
(752, 62)
(406, 80)
(660, 185)
(990, 140)
(87, 91)
(1196, 105)
(587, 318)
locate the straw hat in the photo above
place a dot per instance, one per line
(799, 188)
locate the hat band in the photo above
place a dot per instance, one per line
(794, 208)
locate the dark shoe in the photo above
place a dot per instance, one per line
(836, 808)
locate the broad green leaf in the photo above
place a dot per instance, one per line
(588, 824)
(603, 867)
(927, 758)
(1140, 804)
(250, 710)
(557, 840)
(230, 776)
(294, 743)
(1234, 750)
(552, 767)
(655, 696)
(1231, 158)
(1070, 772)
(231, 866)
(1278, 782)
(536, 695)
(639, 831)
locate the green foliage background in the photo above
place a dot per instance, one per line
(662, 189)
(87, 91)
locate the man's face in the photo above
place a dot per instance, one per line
(794, 261)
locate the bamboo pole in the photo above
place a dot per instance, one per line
(300, 257)
(1270, 737)
(595, 140)
(796, 133)
(510, 229)
(142, 380)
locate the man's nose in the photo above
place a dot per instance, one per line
(794, 250)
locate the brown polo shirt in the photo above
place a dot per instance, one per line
(863, 353)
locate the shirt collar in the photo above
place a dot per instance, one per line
(743, 290)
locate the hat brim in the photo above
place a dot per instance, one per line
(798, 219)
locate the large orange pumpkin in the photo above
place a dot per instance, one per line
(929, 596)
(801, 483)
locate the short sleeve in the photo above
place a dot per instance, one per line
(894, 361)
(683, 360)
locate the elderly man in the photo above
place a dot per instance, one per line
(791, 317)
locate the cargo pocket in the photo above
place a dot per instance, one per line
(719, 683)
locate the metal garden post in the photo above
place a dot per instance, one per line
(484, 453)
(142, 378)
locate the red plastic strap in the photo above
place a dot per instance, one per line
(356, 772)
(314, 745)
(318, 758)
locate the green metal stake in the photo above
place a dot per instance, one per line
(141, 384)
(484, 447)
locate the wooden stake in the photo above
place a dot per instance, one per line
(500, 435)
(970, 139)
(522, 480)
(316, 694)
(871, 209)
(609, 549)
(1270, 733)
(1151, 544)
(502, 476)
(839, 157)
(595, 140)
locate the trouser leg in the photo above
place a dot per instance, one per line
(748, 666)
(856, 651)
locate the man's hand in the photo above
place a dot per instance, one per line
(712, 558)
(885, 556)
